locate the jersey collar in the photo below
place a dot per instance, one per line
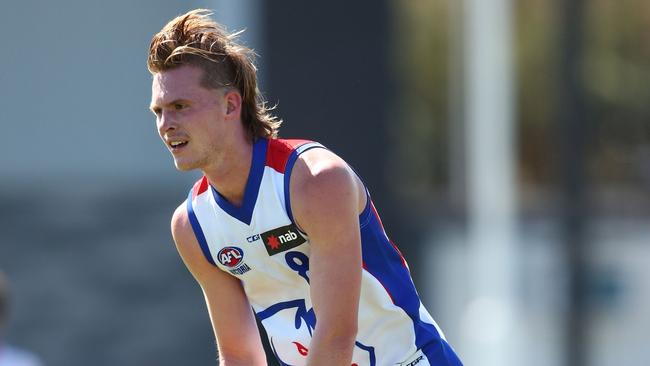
(244, 213)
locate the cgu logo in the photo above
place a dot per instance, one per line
(230, 256)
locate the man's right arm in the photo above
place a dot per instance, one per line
(232, 318)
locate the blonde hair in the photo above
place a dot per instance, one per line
(195, 39)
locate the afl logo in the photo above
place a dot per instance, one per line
(231, 256)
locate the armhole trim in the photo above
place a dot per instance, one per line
(198, 232)
(287, 177)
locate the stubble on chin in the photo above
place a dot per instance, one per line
(182, 168)
(186, 166)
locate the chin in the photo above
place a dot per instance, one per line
(184, 166)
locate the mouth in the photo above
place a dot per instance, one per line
(177, 145)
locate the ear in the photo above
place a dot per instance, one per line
(233, 104)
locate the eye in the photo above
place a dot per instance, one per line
(179, 106)
(156, 111)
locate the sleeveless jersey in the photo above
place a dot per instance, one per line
(259, 244)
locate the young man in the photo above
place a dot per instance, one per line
(279, 229)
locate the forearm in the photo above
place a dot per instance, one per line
(332, 350)
(255, 361)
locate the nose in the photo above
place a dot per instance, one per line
(166, 122)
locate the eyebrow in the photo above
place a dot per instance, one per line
(179, 100)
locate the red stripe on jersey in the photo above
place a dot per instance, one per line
(374, 210)
(200, 186)
(279, 151)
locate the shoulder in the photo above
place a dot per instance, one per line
(320, 168)
(187, 244)
(180, 224)
(323, 185)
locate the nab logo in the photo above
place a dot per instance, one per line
(282, 239)
(230, 256)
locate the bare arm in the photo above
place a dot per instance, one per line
(232, 318)
(326, 200)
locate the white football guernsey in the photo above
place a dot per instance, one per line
(259, 244)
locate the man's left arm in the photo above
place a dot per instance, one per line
(326, 200)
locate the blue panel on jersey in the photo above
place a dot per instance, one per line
(198, 232)
(384, 262)
(244, 213)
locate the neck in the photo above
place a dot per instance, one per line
(229, 173)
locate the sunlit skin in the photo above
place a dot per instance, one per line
(202, 128)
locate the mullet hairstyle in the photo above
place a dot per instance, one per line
(195, 39)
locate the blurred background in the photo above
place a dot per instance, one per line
(506, 145)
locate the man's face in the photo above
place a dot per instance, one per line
(189, 117)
